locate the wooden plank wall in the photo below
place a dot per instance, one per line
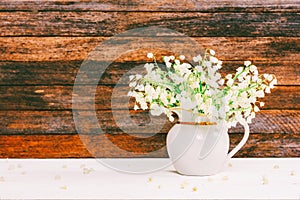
(43, 43)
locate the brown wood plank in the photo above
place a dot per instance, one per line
(42, 146)
(194, 24)
(70, 146)
(23, 49)
(36, 120)
(268, 145)
(64, 72)
(61, 122)
(149, 5)
(47, 48)
(60, 98)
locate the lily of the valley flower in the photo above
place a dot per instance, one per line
(201, 89)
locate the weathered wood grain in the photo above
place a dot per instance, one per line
(149, 5)
(275, 49)
(42, 146)
(194, 24)
(61, 122)
(70, 146)
(268, 145)
(64, 72)
(43, 43)
(60, 97)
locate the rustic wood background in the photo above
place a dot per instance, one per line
(43, 43)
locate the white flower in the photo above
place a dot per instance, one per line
(164, 97)
(178, 79)
(248, 79)
(172, 100)
(243, 85)
(208, 64)
(261, 104)
(130, 94)
(172, 57)
(212, 83)
(247, 113)
(135, 107)
(228, 76)
(150, 55)
(140, 87)
(131, 77)
(177, 62)
(184, 69)
(247, 63)
(168, 64)
(230, 82)
(199, 68)
(252, 115)
(181, 57)
(214, 59)
(197, 58)
(255, 72)
(217, 76)
(132, 84)
(243, 103)
(166, 58)
(240, 78)
(256, 109)
(269, 77)
(252, 99)
(259, 81)
(254, 78)
(149, 67)
(219, 66)
(156, 110)
(239, 70)
(253, 68)
(151, 92)
(260, 94)
(244, 74)
(267, 90)
(212, 52)
(221, 82)
(144, 106)
(273, 82)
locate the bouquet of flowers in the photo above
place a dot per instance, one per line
(200, 89)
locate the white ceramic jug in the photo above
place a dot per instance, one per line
(200, 149)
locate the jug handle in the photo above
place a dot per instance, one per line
(242, 142)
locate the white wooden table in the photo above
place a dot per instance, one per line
(251, 178)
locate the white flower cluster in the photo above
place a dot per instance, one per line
(241, 93)
(200, 89)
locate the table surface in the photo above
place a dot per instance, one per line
(243, 178)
